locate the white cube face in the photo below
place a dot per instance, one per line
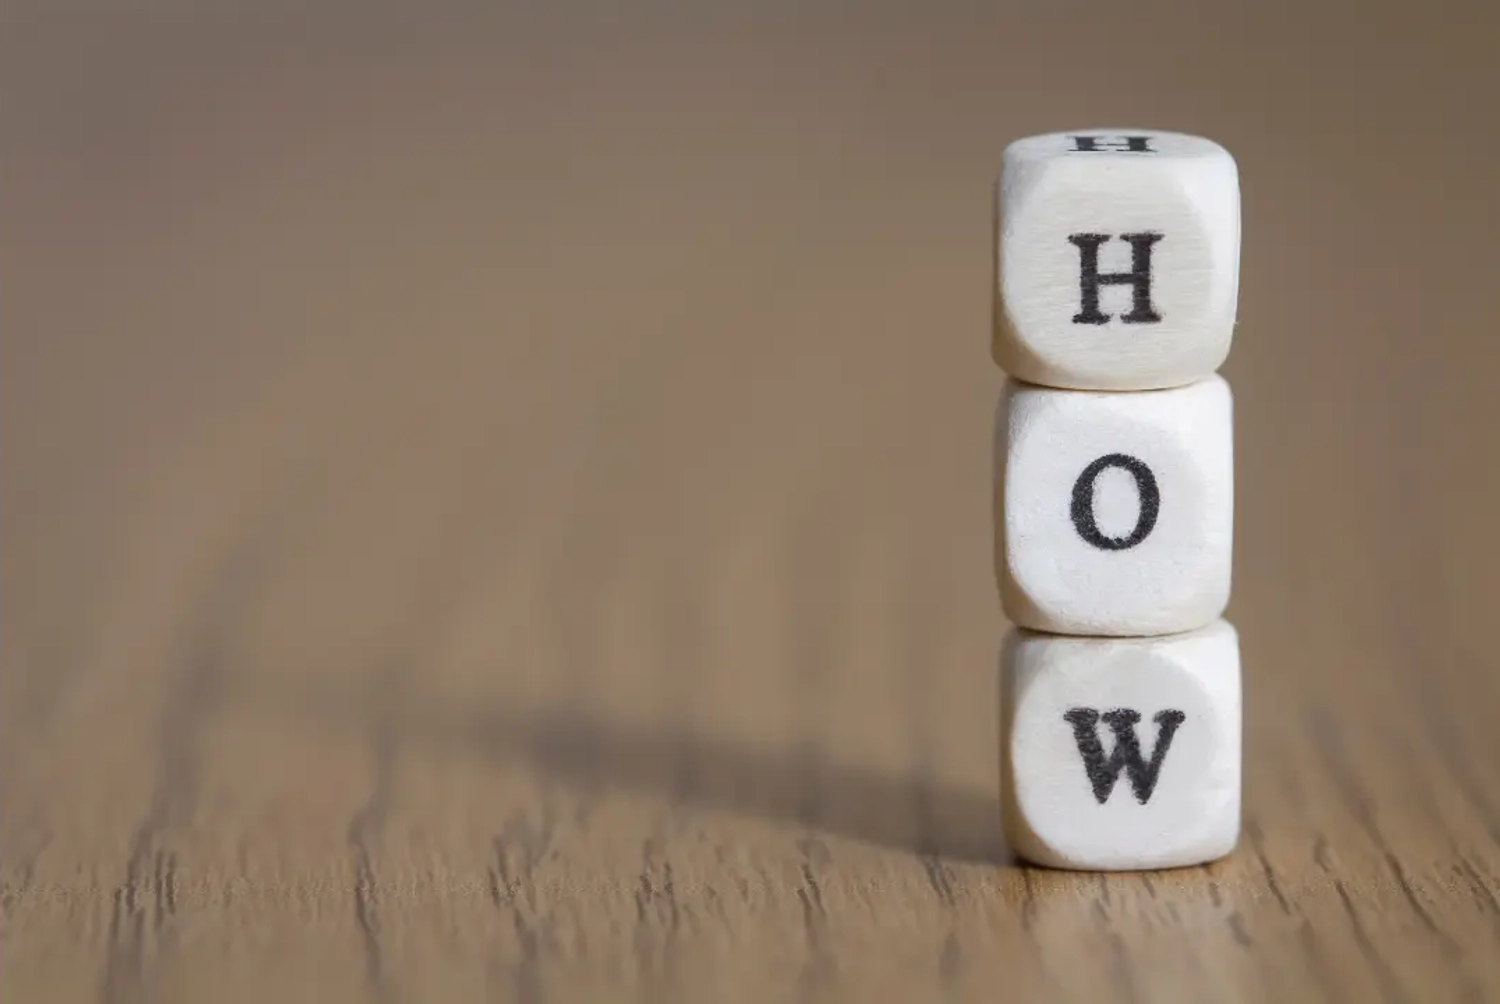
(1117, 258)
(1121, 754)
(1114, 512)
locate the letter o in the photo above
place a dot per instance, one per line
(1083, 502)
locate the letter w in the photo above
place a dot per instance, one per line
(1126, 755)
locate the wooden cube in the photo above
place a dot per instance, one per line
(1117, 259)
(1121, 754)
(1114, 512)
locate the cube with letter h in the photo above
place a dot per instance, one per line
(1117, 259)
(1116, 285)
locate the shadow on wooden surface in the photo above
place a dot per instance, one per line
(910, 814)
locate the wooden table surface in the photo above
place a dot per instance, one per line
(497, 507)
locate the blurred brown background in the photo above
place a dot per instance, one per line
(497, 502)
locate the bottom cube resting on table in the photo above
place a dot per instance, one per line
(1121, 753)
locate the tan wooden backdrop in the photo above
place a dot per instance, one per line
(496, 503)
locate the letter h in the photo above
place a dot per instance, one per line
(1138, 278)
(1122, 144)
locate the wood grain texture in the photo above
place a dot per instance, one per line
(498, 508)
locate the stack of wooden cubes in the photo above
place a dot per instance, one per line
(1117, 279)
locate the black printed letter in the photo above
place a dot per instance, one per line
(1120, 144)
(1082, 509)
(1138, 278)
(1126, 755)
